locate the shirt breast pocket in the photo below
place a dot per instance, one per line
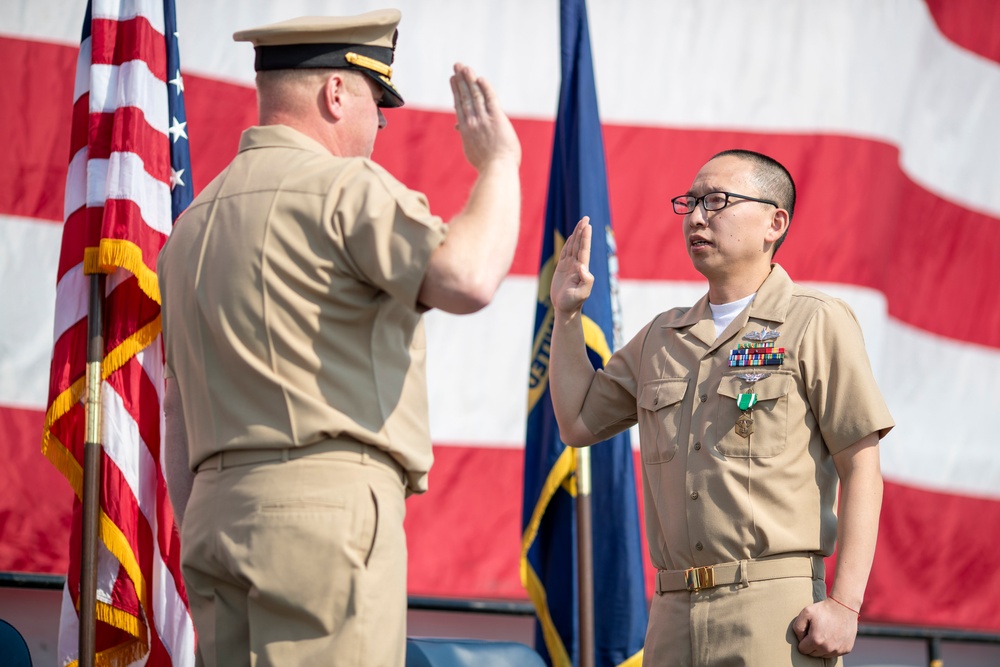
(660, 414)
(769, 414)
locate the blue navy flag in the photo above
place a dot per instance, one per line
(578, 187)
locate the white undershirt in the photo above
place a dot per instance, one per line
(723, 314)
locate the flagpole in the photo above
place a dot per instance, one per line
(585, 557)
(91, 474)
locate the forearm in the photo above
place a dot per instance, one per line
(466, 271)
(485, 232)
(829, 628)
(570, 375)
(857, 533)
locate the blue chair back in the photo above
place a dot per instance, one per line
(13, 648)
(435, 652)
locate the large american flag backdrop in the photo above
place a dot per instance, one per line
(886, 111)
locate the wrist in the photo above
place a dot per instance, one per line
(504, 162)
(567, 317)
(856, 611)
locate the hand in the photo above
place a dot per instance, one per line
(487, 134)
(572, 279)
(825, 629)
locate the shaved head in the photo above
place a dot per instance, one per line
(771, 179)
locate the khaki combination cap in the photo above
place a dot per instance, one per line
(365, 43)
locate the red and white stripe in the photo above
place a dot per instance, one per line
(118, 187)
(884, 111)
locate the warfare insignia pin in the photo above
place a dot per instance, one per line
(763, 334)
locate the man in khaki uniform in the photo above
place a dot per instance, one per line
(293, 289)
(751, 405)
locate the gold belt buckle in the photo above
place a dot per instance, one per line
(697, 578)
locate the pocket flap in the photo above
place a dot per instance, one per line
(773, 386)
(660, 393)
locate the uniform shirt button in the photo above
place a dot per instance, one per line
(697, 446)
(699, 546)
(703, 398)
(694, 496)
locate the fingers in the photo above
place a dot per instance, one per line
(567, 249)
(572, 246)
(489, 96)
(470, 98)
(800, 626)
(457, 95)
(487, 133)
(472, 89)
(583, 254)
(820, 635)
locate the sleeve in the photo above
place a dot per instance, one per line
(177, 472)
(610, 405)
(838, 377)
(389, 232)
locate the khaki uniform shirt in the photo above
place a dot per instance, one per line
(712, 496)
(290, 307)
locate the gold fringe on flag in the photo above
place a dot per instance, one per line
(114, 254)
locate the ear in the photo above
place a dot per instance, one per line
(779, 225)
(334, 95)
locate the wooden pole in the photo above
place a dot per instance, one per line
(585, 557)
(91, 473)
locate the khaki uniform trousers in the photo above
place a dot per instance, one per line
(300, 560)
(732, 625)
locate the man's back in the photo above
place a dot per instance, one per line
(291, 266)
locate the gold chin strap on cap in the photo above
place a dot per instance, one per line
(369, 63)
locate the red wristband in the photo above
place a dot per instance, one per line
(845, 606)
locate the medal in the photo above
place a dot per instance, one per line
(744, 425)
(745, 402)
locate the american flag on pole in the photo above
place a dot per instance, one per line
(128, 179)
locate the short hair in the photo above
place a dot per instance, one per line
(772, 180)
(292, 90)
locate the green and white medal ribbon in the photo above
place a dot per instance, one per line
(744, 425)
(746, 401)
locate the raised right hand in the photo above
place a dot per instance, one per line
(572, 279)
(487, 133)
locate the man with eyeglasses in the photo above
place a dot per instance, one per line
(752, 405)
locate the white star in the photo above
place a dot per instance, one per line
(176, 178)
(178, 81)
(177, 130)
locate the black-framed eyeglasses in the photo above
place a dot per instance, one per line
(712, 201)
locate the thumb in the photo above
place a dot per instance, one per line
(800, 626)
